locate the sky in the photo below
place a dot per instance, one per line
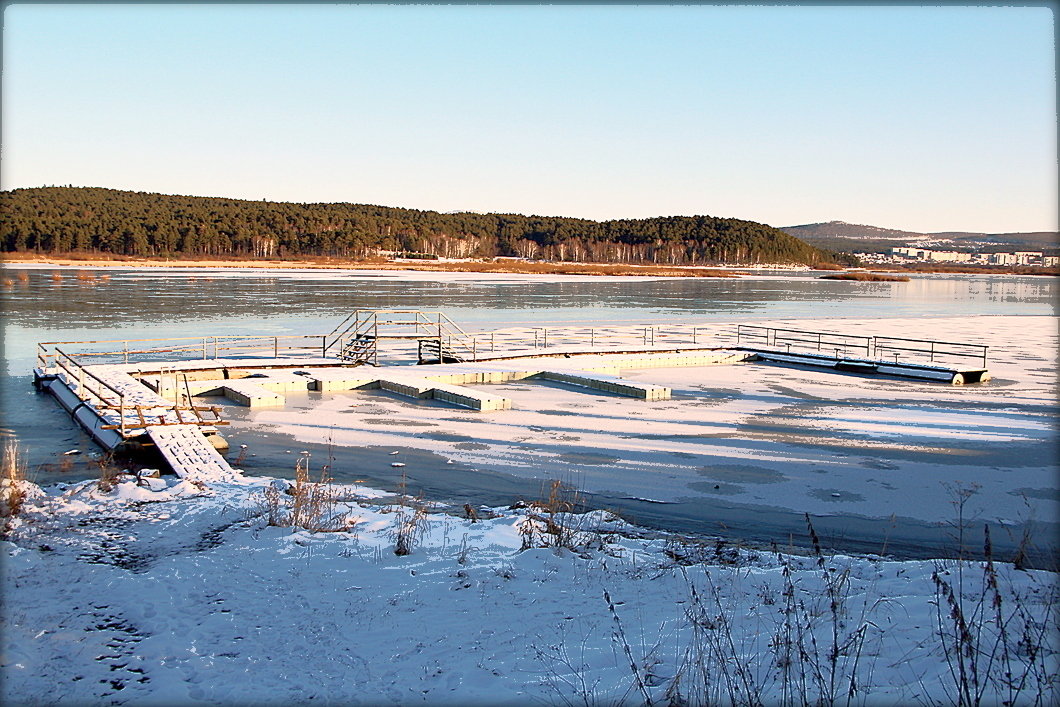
(922, 119)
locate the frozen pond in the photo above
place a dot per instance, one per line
(745, 449)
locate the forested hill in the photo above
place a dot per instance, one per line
(73, 219)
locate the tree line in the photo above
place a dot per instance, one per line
(109, 221)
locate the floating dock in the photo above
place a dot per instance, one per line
(147, 399)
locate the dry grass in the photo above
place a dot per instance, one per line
(501, 265)
(12, 482)
(560, 521)
(311, 504)
(930, 268)
(865, 277)
(522, 267)
(108, 474)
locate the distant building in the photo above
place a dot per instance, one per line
(1003, 259)
(1023, 257)
(908, 253)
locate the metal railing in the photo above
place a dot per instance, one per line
(820, 341)
(934, 350)
(889, 349)
(584, 338)
(94, 391)
(115, 351)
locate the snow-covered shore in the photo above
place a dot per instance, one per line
(186, 595)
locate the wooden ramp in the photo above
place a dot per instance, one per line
(188, 452)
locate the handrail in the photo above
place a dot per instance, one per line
(874, 346)
(206, 345)
(82, 370)
(931, 350)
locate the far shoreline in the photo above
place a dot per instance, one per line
(515, 266)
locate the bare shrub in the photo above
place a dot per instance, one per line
(552, 522)
(108, 473)
(410, 523)
(410, 520)
(689, 551)
(311, 504)
(12, 482)
(818, 643)
(996, 648)
(812, 651)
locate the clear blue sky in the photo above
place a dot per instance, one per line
(924, 119)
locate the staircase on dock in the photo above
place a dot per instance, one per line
(439, 340)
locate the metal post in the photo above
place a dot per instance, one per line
(493, 342)
(275, 347)
(932, 359)
(126, 350)
(592, 338)
(535, 338)
(204, 348)
(545, 336)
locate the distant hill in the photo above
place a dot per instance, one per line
(849, 237)
(77, 219)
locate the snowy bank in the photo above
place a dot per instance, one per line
(186, 595)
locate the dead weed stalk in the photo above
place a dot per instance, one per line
(311, 504)
(12, 483)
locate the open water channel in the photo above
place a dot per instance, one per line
(43, 303)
